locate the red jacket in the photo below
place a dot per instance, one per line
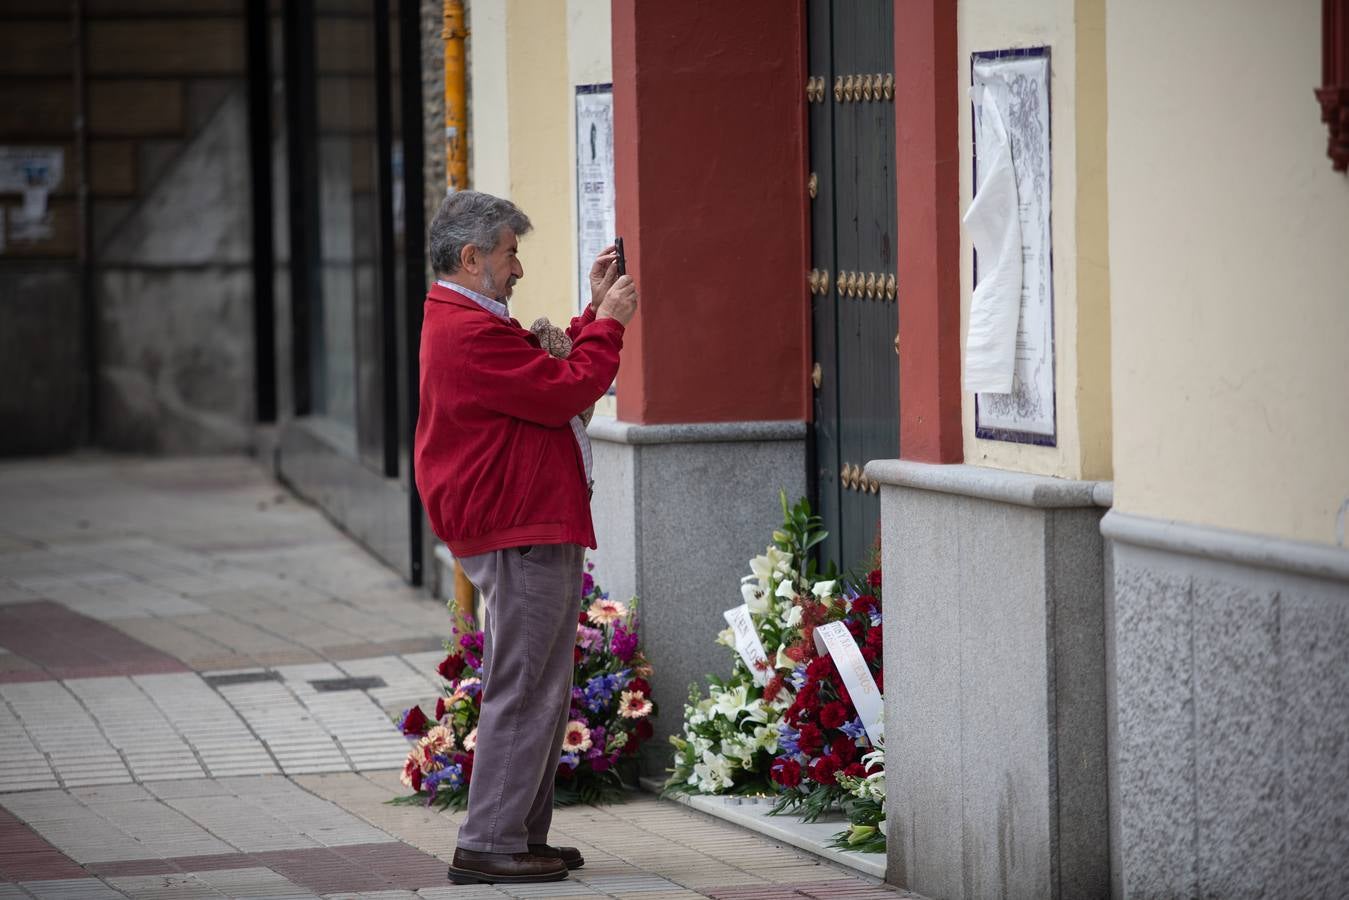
(497, 462)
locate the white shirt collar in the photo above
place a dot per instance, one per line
(496, 307)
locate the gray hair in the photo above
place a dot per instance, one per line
(470, 217)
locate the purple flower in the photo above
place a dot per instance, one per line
(624, 644)
(601, 763)
(471, 641)
(587, 583)
(853, 729)
(472, 661)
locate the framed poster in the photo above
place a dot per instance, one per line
(594, 180)
(1019, 80)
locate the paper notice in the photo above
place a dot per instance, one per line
(835, 640)
(994, 223)
(747, 643)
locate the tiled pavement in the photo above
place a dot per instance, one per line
(196, 678)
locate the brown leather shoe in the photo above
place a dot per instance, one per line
(570, 856)
(471, 867)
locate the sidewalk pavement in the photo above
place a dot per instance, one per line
(197, 673)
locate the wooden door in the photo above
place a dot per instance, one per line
(850, 96)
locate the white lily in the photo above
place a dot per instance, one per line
(823, 590)
(786, 590)
(726, 637)
(773, 561)
(713, 773)
(754, 599)
(729, 703)
(784, 661)
(793, 618)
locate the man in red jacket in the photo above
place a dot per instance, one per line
(504, 469)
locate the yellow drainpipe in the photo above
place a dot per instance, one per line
(456, 104)
(456, 178)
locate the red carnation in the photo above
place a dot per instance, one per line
(823, 769)
(811, 739)
(414, 721)
(582, 618)
(575, 656)
(874, 579)
(833, 714)
(875, 638)
(845, 749)
(786, 772)
(644, 730)
(822, 667)
(639, 684)
(854, 627)
(843, 693)
(451, 666)
(869, 653)
(441, 708)
(864, 604)
(856, 770)
(466, 761)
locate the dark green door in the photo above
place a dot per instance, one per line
(850, 96)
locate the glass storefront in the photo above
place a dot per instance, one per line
(348, 287)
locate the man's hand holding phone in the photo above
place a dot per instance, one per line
(603, 274)
(620, 302)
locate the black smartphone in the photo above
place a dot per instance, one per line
(622, 260)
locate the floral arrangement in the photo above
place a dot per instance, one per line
(793, 731)
(610, 715)
(730, 736)
(820, 736)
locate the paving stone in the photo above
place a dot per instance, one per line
(253, 882)
(68, 644)
(72, 889)
(174, 886)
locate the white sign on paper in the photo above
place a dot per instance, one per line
(1016, 86)
(835, 640)
(594, 179)
(33, 172)
(747, 643)
(994, 224)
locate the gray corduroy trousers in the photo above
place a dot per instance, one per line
(532, 597)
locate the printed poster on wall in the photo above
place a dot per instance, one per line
(1019, 84)
(594, 180)
(33, 173)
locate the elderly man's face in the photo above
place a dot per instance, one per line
(501, 267)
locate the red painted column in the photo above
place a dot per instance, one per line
(710, 172)
(927, 102)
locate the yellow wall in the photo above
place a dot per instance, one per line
(1073, 30)
(526, 58)
(1229, 250)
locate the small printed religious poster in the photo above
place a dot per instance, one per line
(594, 179)
(1010, 99)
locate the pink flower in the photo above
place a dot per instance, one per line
(605, 612)
(412, 771)
(588, 637)
(576, 739)
(633, 705)
(438, 740)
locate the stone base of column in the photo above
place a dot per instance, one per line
(1229, 750)
(679, 510)
(995, 699)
